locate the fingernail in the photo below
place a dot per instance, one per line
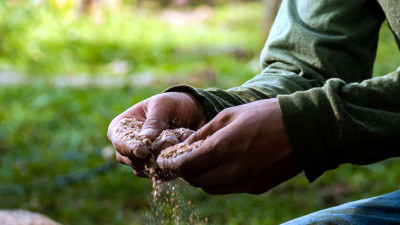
(146, 132)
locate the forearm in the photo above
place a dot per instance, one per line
(269, 84)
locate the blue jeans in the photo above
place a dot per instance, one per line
(380, 210)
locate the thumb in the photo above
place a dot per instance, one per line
(156, 121)
(204, 132)
(219, 122)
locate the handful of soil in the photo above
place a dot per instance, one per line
(168, 203)
(179, 149)
(128, 130)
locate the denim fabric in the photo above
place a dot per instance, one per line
(381, 210)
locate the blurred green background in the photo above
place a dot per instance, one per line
(67, 70)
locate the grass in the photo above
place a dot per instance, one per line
(47, 132)
(139, 38)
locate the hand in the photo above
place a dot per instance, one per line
(167, 110)
(248, 151)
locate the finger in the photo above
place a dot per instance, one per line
(135, 164)
(135, 111)
(195, 161)
(203, 133)
(123, 159)
(164, 142)
(132, 149)
(137, 167)
(185, 135)
(129, 148)
(156, 120)
(210, 128)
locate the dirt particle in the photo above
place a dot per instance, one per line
(168, 205)
(128, 130)
(179, 149)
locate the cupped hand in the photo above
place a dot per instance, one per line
(247, 151)
(162, 111)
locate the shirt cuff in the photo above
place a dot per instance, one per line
(202, 96)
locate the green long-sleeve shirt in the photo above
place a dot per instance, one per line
(318, 62)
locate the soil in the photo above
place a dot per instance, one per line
(168, 205)
(179, 149)
(167, 145)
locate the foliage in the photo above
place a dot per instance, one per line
(48, 41)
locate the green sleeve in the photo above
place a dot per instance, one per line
(310, 42)
(315, 50)
(341, 122)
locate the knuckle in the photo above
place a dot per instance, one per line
(154, 122)
(163, 98)
(225, 115)
(227, 111)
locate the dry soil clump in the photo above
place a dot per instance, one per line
(167, 145)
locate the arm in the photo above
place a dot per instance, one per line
(309, 62)
(310, 42)
(256, 146)
(355, 123)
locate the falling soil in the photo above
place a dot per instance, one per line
(168, 205)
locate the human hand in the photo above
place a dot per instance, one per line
(162, 111)
(248, 151)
